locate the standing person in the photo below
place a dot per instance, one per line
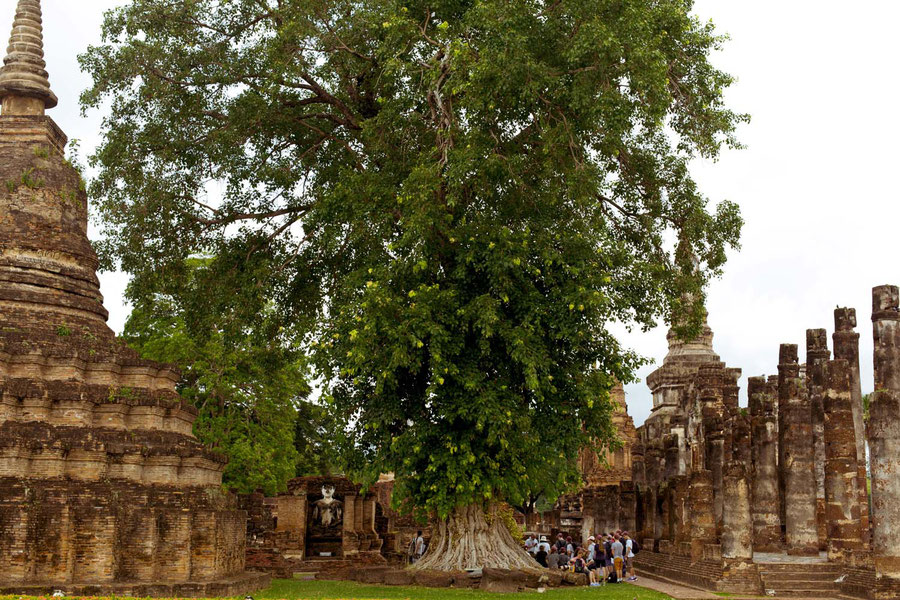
(629, 557)
(416, 548)
(570, 547)
(592, 560)
(618, 551)
(600, 561)
(530, 544)
(560, 541)
(411, 552)
(607, 547)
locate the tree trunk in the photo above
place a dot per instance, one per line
(471, 539)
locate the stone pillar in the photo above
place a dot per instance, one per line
(817, 356)
(884, 438)
(737, 533)
(682, 512)
(638, 471)
(703, 523)
(798, 468)
(639, 477)
(349, 535)
(652, 458)
(731, 390)
(672, 456)
(846, 346)
(711, 380)
(845, 544)
(772, 390)
(737, 530)
(766, 498)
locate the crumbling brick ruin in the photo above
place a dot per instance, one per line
(726, 496)
(103, 487)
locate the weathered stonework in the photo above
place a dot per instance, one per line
(884, 438)
(737, 532)
(817, 356)
(101, 481)
(846, 346)
(703, 524)
(845, 544)
(798, 468)
(765, 493)
(786, 476)
(606, 466)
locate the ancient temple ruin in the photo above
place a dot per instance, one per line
(103, 486)
(773, 498)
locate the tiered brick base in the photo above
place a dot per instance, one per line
(110, 531)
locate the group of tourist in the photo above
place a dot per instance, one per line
(608, 557)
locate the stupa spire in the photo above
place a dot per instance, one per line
(24, 81)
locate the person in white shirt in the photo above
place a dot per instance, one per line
(629, 557)
(531, 544)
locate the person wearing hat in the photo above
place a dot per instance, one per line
(544, 545)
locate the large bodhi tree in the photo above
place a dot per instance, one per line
(459, 196)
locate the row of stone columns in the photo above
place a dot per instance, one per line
(806, 470)
(817, 451)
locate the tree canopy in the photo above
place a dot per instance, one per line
(453, 200)
(239, 367)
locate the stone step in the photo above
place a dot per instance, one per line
(801, 593)
(804, 568)
(794, 584)
(800, 579)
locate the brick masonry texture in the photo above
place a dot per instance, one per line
(103, 487)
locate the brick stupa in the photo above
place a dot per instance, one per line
(103, 487)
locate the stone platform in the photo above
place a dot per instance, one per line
(238, 585)
(779, 575)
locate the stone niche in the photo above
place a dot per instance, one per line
(329, 517)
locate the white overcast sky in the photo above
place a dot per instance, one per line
(817, 184)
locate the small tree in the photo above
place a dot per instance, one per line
(462, 195)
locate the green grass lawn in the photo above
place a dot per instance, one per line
(290, 589)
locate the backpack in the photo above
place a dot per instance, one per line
(612, 577)
(579, 565)
(635, 547)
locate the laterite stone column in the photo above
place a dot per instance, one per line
(846, 346)
(845, 544)
(737, 531)
(711, 380)
(703, 523)
(798, 469)
(764, 490)
(884, 439)
(817, 356)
